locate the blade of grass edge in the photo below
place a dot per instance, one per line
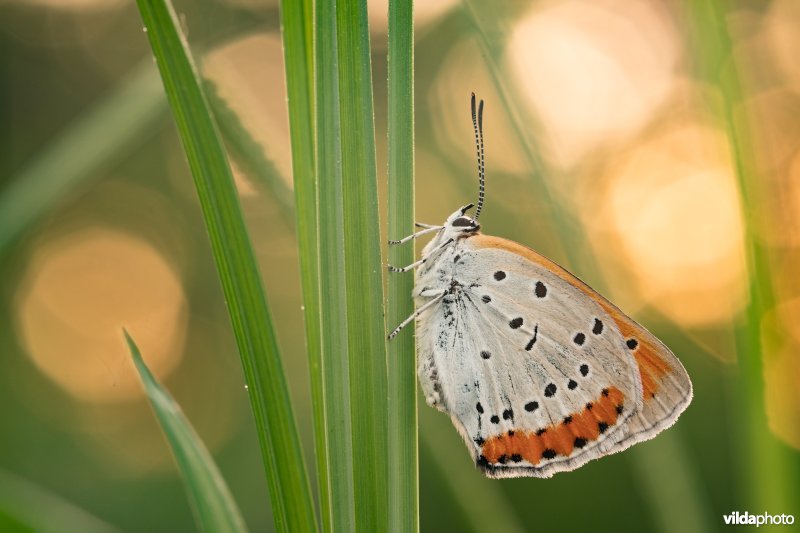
(296, 31)
(248, 153)
(209, 496)
(403, 449)
(333, 289)
(284, 465)
(363, 268)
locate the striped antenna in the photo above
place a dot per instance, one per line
(477, 125)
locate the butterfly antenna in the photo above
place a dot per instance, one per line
(477, 125)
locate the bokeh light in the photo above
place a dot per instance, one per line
(79, 291)
(594, 72)
(781, 24)
(673, 206)
(248, 76)
(781, 342)
(450, 98)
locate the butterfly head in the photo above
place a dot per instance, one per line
(459, 224)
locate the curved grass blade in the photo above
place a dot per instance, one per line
(402, 417)
(241, 282)
(366, 337)
(211, 501)
(22, 503)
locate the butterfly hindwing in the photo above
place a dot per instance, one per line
(666, 387)
(531, 370)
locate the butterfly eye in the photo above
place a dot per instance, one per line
(465, 222)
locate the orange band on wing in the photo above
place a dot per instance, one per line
(651, 366)
(575, 431)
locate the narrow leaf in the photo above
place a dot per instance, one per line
(363, 268)
(241, 282)
(334, 318)
(402, 416)
(111, 128)
(297, 23)
(211, 501)
(22, 502)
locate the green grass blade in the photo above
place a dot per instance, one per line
(333, 290)
(363, 268)
(402, 417)
(483, 502)
(241, 283)
(248, 153)
(211, 501)
(297, 24)
(22, 503)
(110, 128)
(767, 468)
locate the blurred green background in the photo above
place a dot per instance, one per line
(624, 139)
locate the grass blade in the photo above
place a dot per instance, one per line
(363, 269)
(333, 290)
(249, 154)
(22, 503)
(112, 127)
(402, 416)
(241, 283)
(211, 501)
(765, 463)
(297, 25)
(493, 512)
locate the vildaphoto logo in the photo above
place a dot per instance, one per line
(741, 519)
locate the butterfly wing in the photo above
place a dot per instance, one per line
(533, 372)
(663, 388)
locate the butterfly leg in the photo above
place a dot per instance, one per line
(415, 264)
(428, 229)
(436, 296)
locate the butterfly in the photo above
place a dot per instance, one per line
(538, 372)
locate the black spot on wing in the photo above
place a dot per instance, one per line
(540, 290)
